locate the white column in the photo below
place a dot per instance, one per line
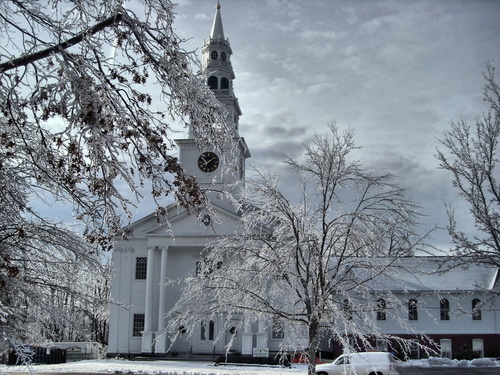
(161, 337)
(262, 336)
(123, 276)
(147, 334)
(247, 339)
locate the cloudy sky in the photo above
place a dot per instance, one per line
(397, 72)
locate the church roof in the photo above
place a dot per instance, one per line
(428, 273)
(426, 277)
(217, 29)
(181, 222)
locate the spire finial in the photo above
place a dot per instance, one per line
(217, 29)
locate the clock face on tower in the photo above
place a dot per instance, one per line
(223, 56)
(208, 162)
(214, 55)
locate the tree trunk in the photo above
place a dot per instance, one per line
(313, 345)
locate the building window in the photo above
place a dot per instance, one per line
(414, 349)
(381, 344)
(444, 307)
(278, 331)
(381, 306)
(352, 345)
(212, 82)
(412, 309)
(141, 268)
(478, 347)
(203, 268)
(207, 332)
(445, 347)
(347, 307)
(138, 325)
(476, 309)
(203, 331)
(224, 83)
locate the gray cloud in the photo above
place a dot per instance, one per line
(396, 71)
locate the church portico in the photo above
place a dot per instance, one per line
(164, 263)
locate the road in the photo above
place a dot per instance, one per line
(436, 370)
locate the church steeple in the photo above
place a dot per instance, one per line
(218, 69)
(217, 29)
(216, 168)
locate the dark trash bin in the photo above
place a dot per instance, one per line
(36, 355)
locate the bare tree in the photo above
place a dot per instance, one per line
(47, 271)
(52, 287)
(470, 155)
(311, 265)
(90, 93)
(79, 311)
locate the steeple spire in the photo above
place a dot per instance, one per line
(218, 72)
(217, 29)
(218, 69)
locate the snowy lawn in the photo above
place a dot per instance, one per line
(116, 366)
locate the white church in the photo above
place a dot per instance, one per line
(155, 252)
(152, 253)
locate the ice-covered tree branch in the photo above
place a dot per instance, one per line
(302, 260)
(91, 96)
(92, 110)
(470, 155)
(34, 57)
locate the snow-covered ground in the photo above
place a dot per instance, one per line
(116, 366)
(156, 367)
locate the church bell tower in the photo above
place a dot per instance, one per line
(219, 70)
(217, 169)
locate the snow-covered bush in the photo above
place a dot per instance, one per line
(438, 361)
(484, 362)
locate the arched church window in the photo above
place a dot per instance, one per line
(381, 307)
(476, 309)
(444, 306)
(210, 335)
(211, 330)
(212, 82)
(224, 83)
(412, 309)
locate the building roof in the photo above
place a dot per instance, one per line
(429, 274)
